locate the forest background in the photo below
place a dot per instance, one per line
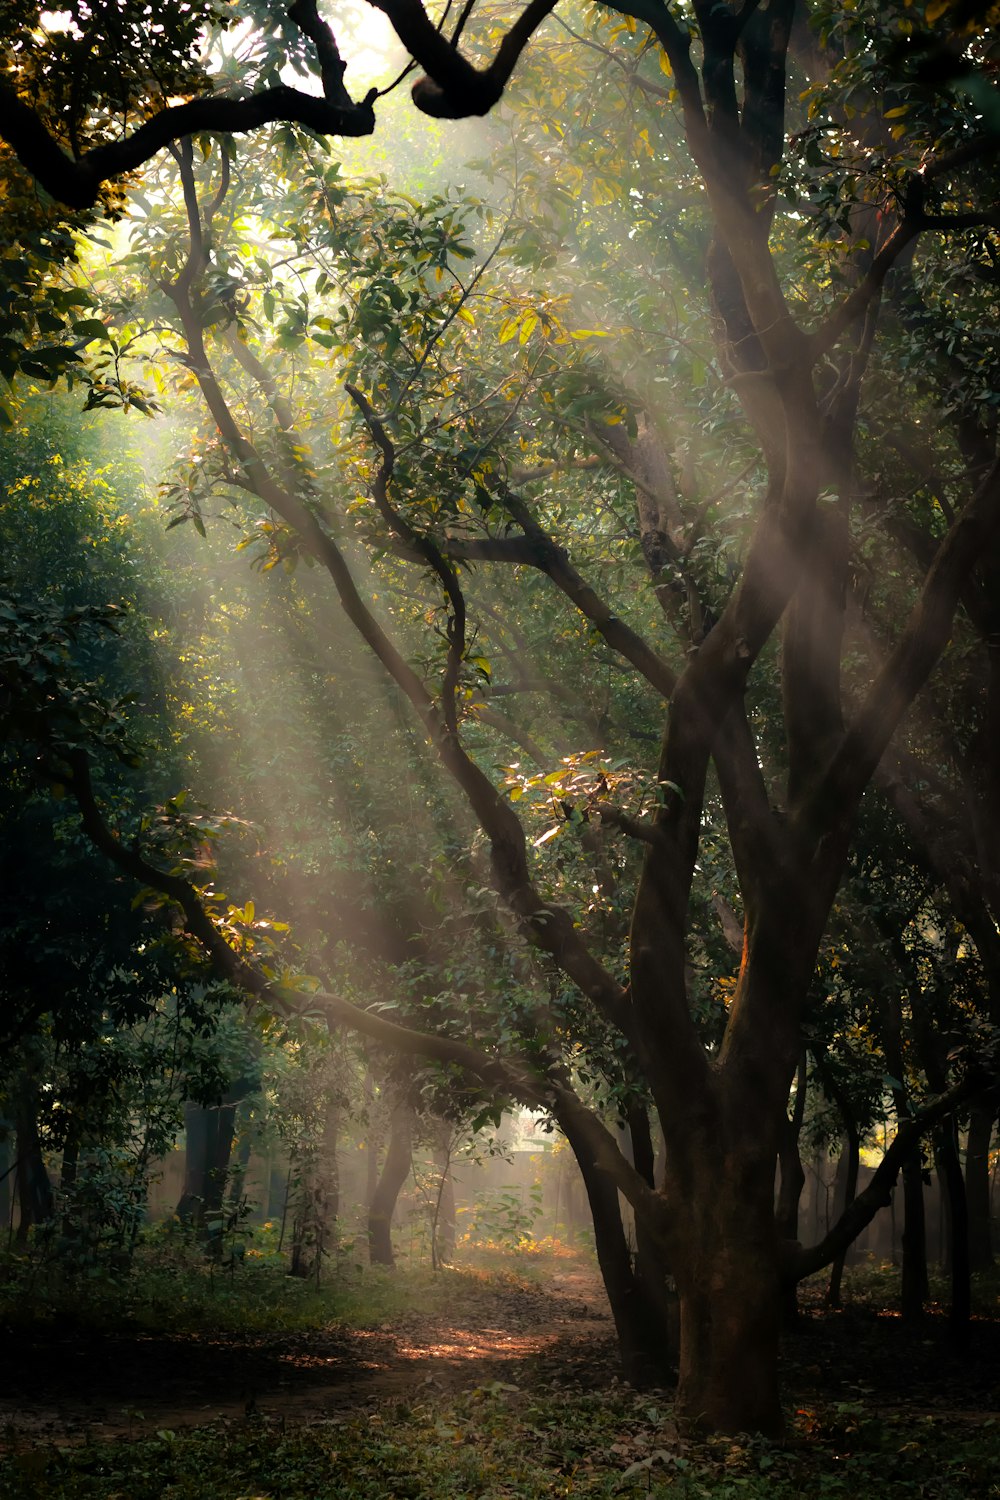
(536, 616)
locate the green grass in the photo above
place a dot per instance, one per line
(497, 1443)
(171, 1288)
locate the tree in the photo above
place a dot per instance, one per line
(873, 200)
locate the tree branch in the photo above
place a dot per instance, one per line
(77, 183)
(453, 89)
(800, 1262)
(912, 660)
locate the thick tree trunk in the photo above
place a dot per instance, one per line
(209, 1141)
(395, 1170)
(730, 1303)
(977, 1183)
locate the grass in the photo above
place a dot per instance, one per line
(170, 1288)
(497, 1443)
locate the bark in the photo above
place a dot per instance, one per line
(728, 1284)
(395, 1170)
(977, 1183)
(209, 1138)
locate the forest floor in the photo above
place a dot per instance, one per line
(491, 1382)
(64, 1381)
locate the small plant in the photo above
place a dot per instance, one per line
(505, 1218)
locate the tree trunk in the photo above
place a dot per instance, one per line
(315, 1227)
(914, 1286)
(726, 1268)
(34, 1190)
(977, 1183)
(847, 1187)
(792, 1181)
(395, 1170)
(7, 1168)
(644, 1340)
(652, 1272)
(953, 1184)
(209, 1141)
(445, 1221)
(244, 1150)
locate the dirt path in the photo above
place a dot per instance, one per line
(68, 1387)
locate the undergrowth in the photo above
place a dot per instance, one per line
(171, 1287)
(498, 1443)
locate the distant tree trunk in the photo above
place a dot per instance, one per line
(6, 1175)
(847, 1168)
(209, 1142)
(444, 1226)
(373, 1141)
(395, 1170)
(244, 1150)
(34, 1190)
(953, 1184)
(792, 1180)
(913, 1273)
(977, 1182)
(68, 1170)
(914, 1285)
(314, 1231)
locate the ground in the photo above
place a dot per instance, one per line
(62, 1383)
(496, 1383)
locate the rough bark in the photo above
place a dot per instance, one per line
(728, 1285)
